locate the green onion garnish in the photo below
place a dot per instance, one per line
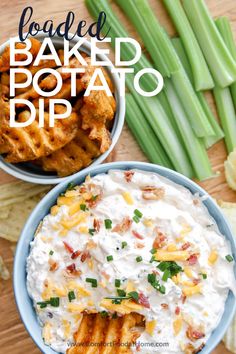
(108, 223)
(104, 314)
(51, 253)
(91, 231)
(93, 282)
(229, 258)
(152, 259)
(166, 275)
(136, 219)
(94, 197)
(55, 301)
(71, 295)
(121, 292)
(155, 283)
(139, 259)
(204, 275)
(134, 295)
(172, 266)
(42, 304)
(109, 258)
(138, 213)
(83, 207)
(153, 251)
(70, 186)
(124, 244)
(117, 283)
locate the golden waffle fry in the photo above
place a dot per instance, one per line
(32, 142)
(72, 157)
(5, 58)
(100, 335)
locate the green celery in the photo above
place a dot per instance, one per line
(218, 133)
(140, 12)
(144, 134)
(196, 151)
(202, 77)
(225, 30)
(157, 41)
(220, 61)
(159, 121)
(227, 115)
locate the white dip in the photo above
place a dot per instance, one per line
(144, 212)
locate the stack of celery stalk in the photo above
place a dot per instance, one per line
(176, 127)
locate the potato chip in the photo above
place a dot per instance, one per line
(4, 272)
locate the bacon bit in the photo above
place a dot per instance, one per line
(177, 310)
(153, 193)
(137, 235)
(196, 281)
(96, 225)
(68, 247)
(165, 306)
(186, 246)
(53, 265)
(123, 226)
(183, 298)
(128, 175)
(75, 254)
(160, 239)
(71, 269)
(192, 260)
(138, 347)
(107, 276)
(84, 256)
(143, 300)
(139, 245)
(193, 334)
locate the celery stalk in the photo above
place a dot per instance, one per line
(155, 41)
(218, 133)
(196, 151)
(220, 61)
(140, 128)
(202, 77)
(159, 121)
(227, 115)
(225, 30)
(140, 12)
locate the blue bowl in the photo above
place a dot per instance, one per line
(22, 298)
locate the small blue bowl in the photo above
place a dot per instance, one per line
(22, 298)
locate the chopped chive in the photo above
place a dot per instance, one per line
(104, 314)
(93, 282)
(136, 219)
(83, 207)
(229, 258)
(42, 304)
(114, 315)
(152, 259)
(124, 244)
(166, 275)
(54, 301)
(121, 292)
(204, 275)
(70, 186)
(162, 289)
(71, 295)
(117, 283)
(134, 295)
(151, 278)
(153, 251)
(138, 213)
(139, 259)
(51, 253)
(91, 231)
(108, 223)
(109, 258)
(94, 197)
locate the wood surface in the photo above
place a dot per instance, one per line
(13, 337)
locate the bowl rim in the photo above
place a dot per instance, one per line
(119, 119)
(40, 211)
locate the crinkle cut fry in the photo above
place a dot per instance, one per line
(96, 329)
(5, 58)
(72, 157)
(33, 142)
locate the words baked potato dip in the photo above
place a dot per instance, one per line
(124, 243)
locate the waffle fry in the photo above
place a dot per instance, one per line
(5, 58)
(72, 157)
(32, 142)
(104, 331)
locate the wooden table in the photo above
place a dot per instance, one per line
(13, 336)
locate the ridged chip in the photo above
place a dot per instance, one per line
(108, 336)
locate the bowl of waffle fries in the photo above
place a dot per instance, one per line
(132, 319)
(48, 155)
